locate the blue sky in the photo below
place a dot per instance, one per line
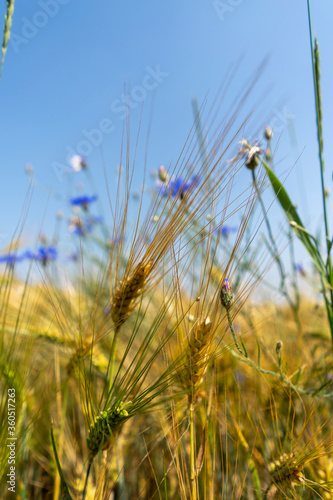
(70, 62)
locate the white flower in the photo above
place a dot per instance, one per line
(74, 223)
(77, 163)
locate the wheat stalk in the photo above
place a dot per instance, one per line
(191, 377)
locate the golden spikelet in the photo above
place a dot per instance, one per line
(124, 297)
(200, 339)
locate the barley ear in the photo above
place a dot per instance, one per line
(197, 356)
(105, 425)
(287, 470)
(124, 297)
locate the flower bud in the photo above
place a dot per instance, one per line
(268, 134)
(252, 160)
(278, 348)
(268, 155)
(162, 174)
(226, 295)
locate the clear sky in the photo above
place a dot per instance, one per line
(70, 63)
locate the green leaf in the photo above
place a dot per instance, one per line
(244, 349)
(64, 488)
(164, 479)
(289, 209)
(258, 345)
(329, 383)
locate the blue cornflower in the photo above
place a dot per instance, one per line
(178, 187)
(82, 230)
(300, 269)
(226, 230)
(46, 254)
(91, 221)
(12, 258)
(83, 201)
(81, 227)
(73, 257)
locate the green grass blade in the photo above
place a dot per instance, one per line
(6, 31)
(291, 213)
(64, 488)
(164, 479)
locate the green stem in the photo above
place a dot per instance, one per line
(94, 190)
(113, 357)
(267, 491)
(283, 377)
(86, 481)
(294, 282)
(269, 229)
(275, 253)
(111, 367)
(61, 433)
(315, 73)
(192, 454)
(316, 85)
(231, 326)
